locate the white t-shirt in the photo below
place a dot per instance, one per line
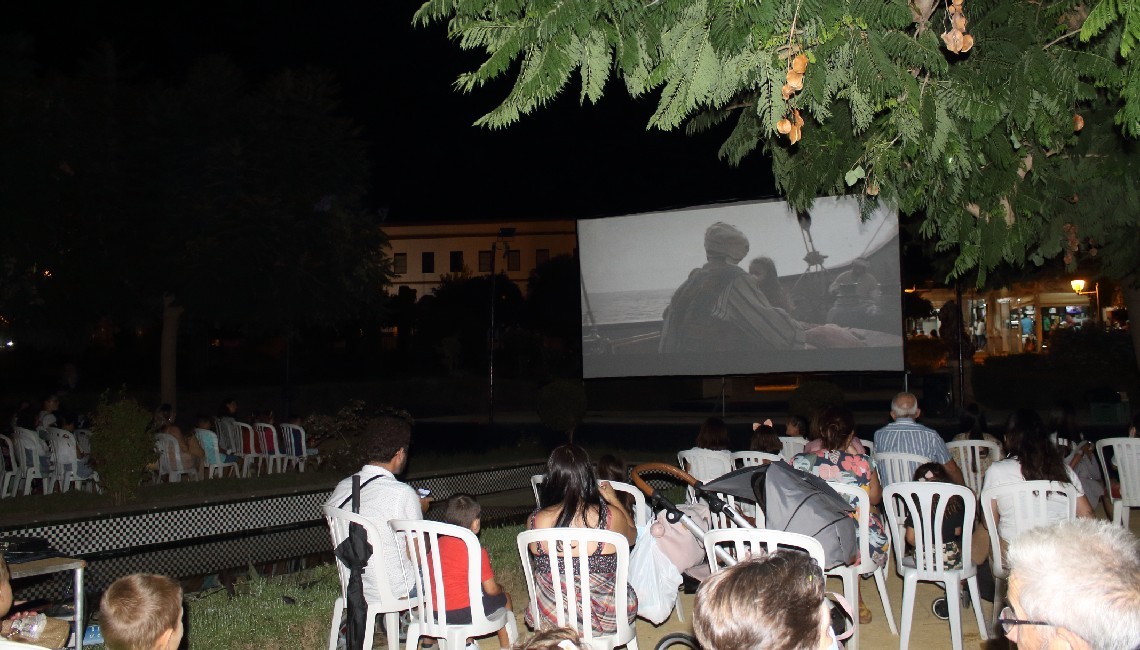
(1007, 472)
(382, 500)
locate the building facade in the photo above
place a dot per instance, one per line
(422, 253)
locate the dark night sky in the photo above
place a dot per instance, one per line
(429, 162)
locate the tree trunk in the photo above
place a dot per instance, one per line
(1131, 290)
(168, 356)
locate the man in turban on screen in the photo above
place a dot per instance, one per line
(720, 308)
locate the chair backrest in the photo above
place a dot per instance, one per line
(8, 451)
(641, 511)
(293, 436)
(249, 445)
(572, 590)
(792, 445)
(869, 445)
(753, 458)
(30, 447)
(1022, 506)
(83, 440)
(422, 538)
(926, 503)
(897, 467)
(228, 436)
(859, 498)
(1126, 458)
(63, 448)
(705, 464)
(972, 457)
(266, 436)
(339, 522)
(742, 543)
(169, 454)
(209, 441)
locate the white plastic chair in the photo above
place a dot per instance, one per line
(1024, 506)
(295, 446)
(388, 604)
(929, 563)
(278, 461)
(229, 439)
(742, 543)
(215, 464)
(849, 574)
(703, 465)
(969, 454)
(898, 468)
(83, 440)
(641, 513)
(8, 468)
(869, 445)
(430, 618)
(65, 462)
(792, 445)
(572, 592)
(742, 459)
(1126, 458)
(31, 449)
(252, 450)
(171, 464)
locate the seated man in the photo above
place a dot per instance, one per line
(906, 436)
(1075, 584)
(142, 612)
(383, 498)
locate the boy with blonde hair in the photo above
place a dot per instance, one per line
(142, 612)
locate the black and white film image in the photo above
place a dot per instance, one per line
(741, 288)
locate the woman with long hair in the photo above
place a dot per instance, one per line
(1031, 456)
(763, 270)
(972, 424)
(1078, 451)
(837, 461)
(572, 497)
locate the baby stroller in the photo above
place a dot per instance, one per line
(791, 501)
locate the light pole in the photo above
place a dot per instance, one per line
(1079, 289)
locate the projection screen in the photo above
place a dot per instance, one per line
(741, 288)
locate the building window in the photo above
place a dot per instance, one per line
(400, 263)
(514, 260)
(456, 265)
(427, 262)
(485, 261)
(541, 256)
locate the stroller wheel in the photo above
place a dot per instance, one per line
(677, 640)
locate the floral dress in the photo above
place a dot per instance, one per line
(849, 469)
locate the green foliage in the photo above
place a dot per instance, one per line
(811, 398)
(562, 405)
(980, 147)
(122, 445)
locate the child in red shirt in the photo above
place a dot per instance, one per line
(464, 511)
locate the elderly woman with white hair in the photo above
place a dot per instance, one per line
(1075, 584)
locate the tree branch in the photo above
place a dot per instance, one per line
(1061, 38)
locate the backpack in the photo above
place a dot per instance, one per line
(799, 502)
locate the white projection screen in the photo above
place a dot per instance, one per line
(684, 293)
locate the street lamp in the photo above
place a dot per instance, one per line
(1079, 289)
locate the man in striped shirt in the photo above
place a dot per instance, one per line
(906, 436)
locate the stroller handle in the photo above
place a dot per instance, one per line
(661, 468)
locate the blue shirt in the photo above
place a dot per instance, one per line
(905, 436)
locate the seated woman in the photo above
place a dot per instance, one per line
(771, 602)
(1079, 453)
(838, 462)
(972, 424)
(572, 498)
(163, 422)
(1031, 456)
(712, 443)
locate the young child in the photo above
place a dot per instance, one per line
(464, 511)
(952, 524)
(764, 438)
(142, 612)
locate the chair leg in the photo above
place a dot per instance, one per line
(632, 645)
(851, 593)
(334, 632)
(998, 599)
(976, 599)
(910, 585)
(881, 583)
(954, 603)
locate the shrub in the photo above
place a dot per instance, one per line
(562, 405)
(121, 445)
(342, 431)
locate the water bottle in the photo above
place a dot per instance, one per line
(30, 627)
